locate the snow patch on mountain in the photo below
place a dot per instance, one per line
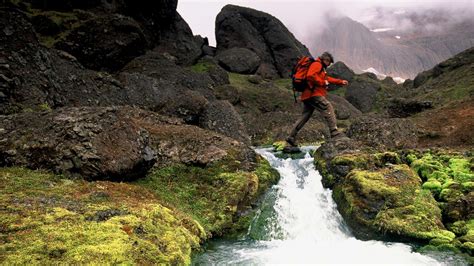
(381, 30)
(381, 76)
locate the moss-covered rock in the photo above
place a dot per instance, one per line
(217, 196)
(45, 219)
(450, 177)
(388, 202)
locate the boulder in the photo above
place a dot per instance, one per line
(407, 107)
(93, 143)
(113, 143)
(239, 60)
(160, 96)
(384, 132)
(343, 108)
(341, 71)
(39, 78)
(105, 43)
(220, 116)
(240, 27)
(179, 41)
(362, 93)
(163, 66)
(387, 203)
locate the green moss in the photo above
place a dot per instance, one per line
(279, 145)
(389, 201)
(267, 175)
(284, 84)
(47, 220)
(359, 161)
(468, 186)
(449, 194)
(433, 185)
(214, 196)
(202, 67)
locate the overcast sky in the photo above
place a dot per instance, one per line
(303, 17)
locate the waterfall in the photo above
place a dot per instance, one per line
(298, 222)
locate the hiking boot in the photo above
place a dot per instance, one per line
(291, 141)
(336, 134)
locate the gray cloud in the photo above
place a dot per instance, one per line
(307, 18)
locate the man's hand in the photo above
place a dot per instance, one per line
(345, 82)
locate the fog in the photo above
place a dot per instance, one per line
(307, 18)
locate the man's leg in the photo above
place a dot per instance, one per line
(327, 111)
(307, 112)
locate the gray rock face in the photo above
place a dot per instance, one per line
(94, 143)
(35, 76)
(341, 71)
(343, 108)
(239, 60)
(384, 133)
(220, 116)
(105, 43)
(362, 93)
(111, 143)
(163, 67)
(261, 33)
(179, 41)
(159, 96)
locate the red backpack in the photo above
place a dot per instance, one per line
(298, 75)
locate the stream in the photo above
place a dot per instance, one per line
(298, 223)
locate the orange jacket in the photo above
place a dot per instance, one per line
(316, 79)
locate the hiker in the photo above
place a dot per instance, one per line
(314, 97)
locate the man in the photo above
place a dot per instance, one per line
(314, 97)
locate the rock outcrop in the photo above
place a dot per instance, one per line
(343, 108)
(239, 60)
(35, 77)
(378, 195)
(265, 35)
(384, 133)
(94, 143)
(106, 42)
(362, 93)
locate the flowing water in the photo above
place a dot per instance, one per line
(298, 223)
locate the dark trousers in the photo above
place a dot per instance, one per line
(323, 106)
